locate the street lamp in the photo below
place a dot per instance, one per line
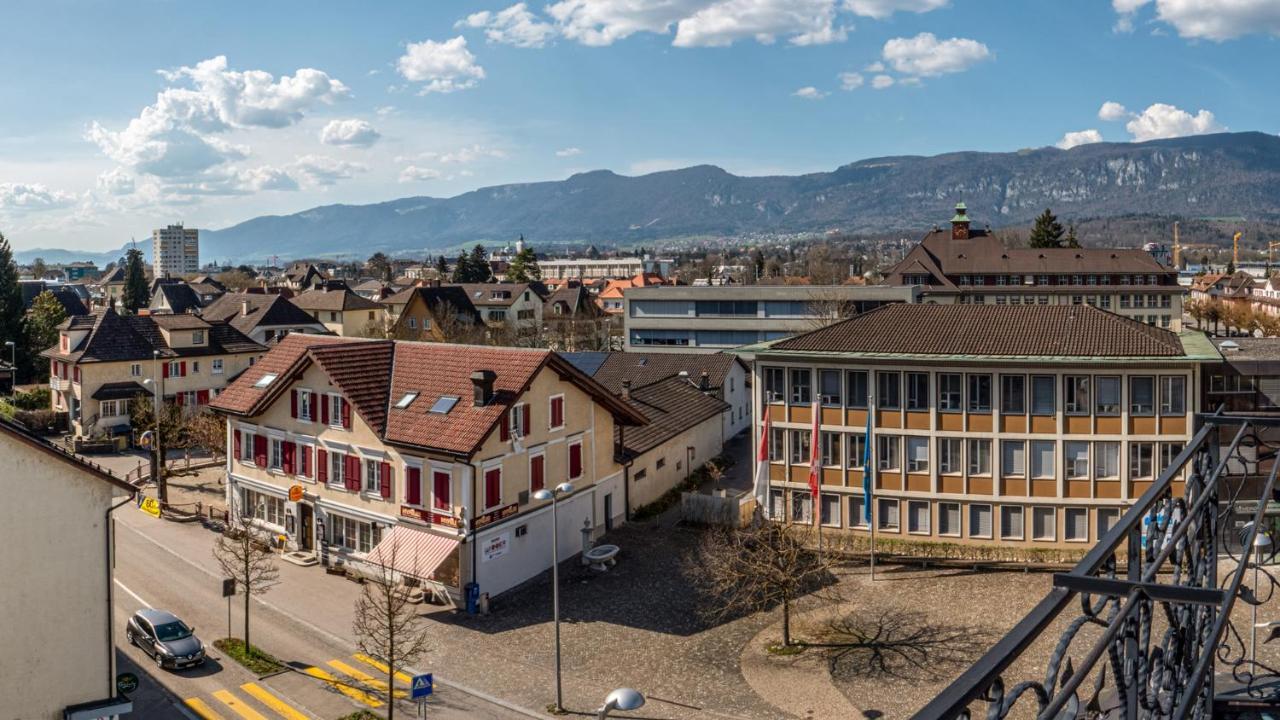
(1261, 543)
(13, 367)
(625, 699)
(157, 457)
(554, 496)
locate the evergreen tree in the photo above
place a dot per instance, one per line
(135, 294)
(42, 327)
(1231, 267)
(380, 265)
(1047, 232)
(462, 269)
(524, 266)
(1071, 240)
(479, 265)
(12, 321)
(442, 266)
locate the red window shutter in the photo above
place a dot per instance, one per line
(346, 414)
(182, 369)
(289, 449)
(492, 487)
(202, 397)
(353, 473)
(525, 422)
(260, 450)
(557, 412)
(236, 442)
(164, 369)
(413, 485)
(177, 398)
(314, 413)
(504, 429)
(322, 465)
(304, 461)
(293, 404)
(324, 410)
(575, 460)
(440, 488)
(536, 480)
(385, 480)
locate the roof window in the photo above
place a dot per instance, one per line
(444, 404)
(265, 380)
(409, 397)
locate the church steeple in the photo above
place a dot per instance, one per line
(960, 223)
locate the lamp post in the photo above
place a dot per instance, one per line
(554, 496)
(157, 455)
(625, 699)
(1261, 543)
(13, 367)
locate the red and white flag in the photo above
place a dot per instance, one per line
(815, 466)
(762, 465)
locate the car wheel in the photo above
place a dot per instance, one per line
(159, 660)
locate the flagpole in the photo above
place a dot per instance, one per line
(868, 473)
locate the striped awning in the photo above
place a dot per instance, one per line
(412, 552)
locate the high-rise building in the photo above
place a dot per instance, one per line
(175, 251)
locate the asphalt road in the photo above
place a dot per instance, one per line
(162, 565)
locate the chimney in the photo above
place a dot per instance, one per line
(244, 308)
(704, 381)
(482, 384)
(960, 223)
(626, 389)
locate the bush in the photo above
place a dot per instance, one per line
(256, 661)
(41, 420)
(37, 399)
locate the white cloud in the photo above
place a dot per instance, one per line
(413, 173)
(1079, 137)
(349, 132)
(1167, 121)
(385, 110)
(875, 67)
(880, 82)
(803, 22)
(513, 26)
(881, 9)
(319, 170)
(32, 197)
(925, 55)
(116, 182)
(253, 98)
(569, 152)
(1112, 111)
(809, 92)
(267, 178)
(441, 67)
(464, 155)
(1216, 20)
(851, 80)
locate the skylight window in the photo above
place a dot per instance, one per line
(265, 380)
(444, 404)
(404, 401)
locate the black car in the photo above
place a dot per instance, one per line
(168, 640)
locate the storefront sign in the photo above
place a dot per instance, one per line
(150, 506)
(491, 517)
(428, 516)
(295, 493)
(496, 546)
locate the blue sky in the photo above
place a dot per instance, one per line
(124, 116)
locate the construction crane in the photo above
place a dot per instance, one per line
(1271, 252)
(1178, 247)
(1235, 249)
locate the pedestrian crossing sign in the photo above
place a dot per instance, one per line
(422, 686)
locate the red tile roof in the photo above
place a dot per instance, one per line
(242, 398)
(361, 371)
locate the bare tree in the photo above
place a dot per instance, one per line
(209, 431)
(246, 558)
(828, 305)
(759, 567)
(387, 625)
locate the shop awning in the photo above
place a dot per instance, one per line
(120, 391)
(412, 552)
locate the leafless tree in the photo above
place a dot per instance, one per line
(759, 567)
(454, 329)
(387, 625)
(209, 431)
(897, 643)
(828, 305)
(245, 556)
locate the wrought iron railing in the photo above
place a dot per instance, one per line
(1151, 592)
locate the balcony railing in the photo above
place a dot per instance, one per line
(1151, 592)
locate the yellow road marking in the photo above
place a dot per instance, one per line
(382, 666)
(353, 693)
(364, 677)
(202, 710)
(281, 708)
(240, 708)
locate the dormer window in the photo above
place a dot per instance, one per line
(197, 337)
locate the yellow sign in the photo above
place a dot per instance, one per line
(295, 493)
(150, 506)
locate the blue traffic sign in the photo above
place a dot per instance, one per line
(423, 685)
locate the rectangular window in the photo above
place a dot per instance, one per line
(777, 505)
(830, 510)
(887, 390)
(917, 454)
(1042, 459)
(800, 386)
(441, 483)
(1044, 524)
(858, 392)
(829, 387)
(1107, 519)
(1140, 460)
(1106, 399)
(1013, 394)
(337, 469)
(950, 392)
(135, 370)
(1077, 456)
(1075, 526)
(1075, 394)
(887, 452)
(351, 534)
(774, 385)
(1142, 395)
(1010, 522)
(575, 460)
(949, 455)
(216, 364)
(979, 393)
(799, 446)
(1013, 458)
(1168, 451)
(492, 488)
(260, 506)
(918, 517)
(1042, 395)
(1107, 459)
(277, 453)
(801, 507)
(855, 444)
(917, 391)
(537, 472)
(557, 412)
(372, 476)
(830, 449)
(980, 521)
(979, 457)
(949, 519)
(887, 510)
(1173, 395)
(857, 515)
(777, 439)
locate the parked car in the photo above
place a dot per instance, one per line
(168, 640)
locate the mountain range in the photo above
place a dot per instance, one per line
(1225, 174)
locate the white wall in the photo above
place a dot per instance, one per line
(529, 555)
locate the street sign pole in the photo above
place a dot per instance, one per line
(228, 590)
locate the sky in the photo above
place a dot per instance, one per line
(125, 116)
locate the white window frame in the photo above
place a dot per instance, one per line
(337, 470)
(912, 507)
(971, 456)
(942, 509)
(275, 453)
(857, 518)
(1066, 524)
(972, 508)
(335, 409)
(920, 464)
(880, 515)
(371, 473)
(1038, 511)
(135, 370)
(950, 463)
(1022, 516)
(217, 366)
(822, 502)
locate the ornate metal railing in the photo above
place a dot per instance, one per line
(1161, 632)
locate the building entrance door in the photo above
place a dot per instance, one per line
(306, 526)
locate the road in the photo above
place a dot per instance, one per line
(165, 565)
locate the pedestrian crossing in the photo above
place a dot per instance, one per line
(359, 677)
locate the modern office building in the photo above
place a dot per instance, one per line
(598, 268)
(175, 251)
(680, 318)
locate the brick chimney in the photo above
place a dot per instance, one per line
(960, 223)
(482, 385)
(626, 389)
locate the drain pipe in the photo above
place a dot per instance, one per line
(111, 623)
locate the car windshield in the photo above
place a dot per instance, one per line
(175, 630)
